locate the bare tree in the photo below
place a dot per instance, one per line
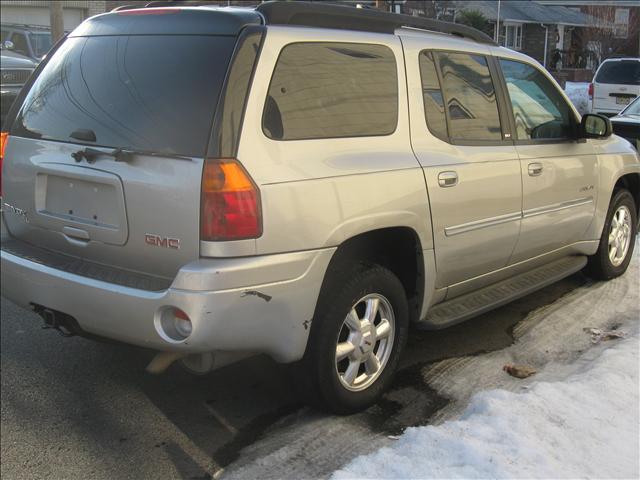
(604, 38)
(56, 17)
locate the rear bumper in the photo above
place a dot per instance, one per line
(218, 295)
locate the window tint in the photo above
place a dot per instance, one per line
(328, 90)
(470, 97)
(539, 109)
(143, 92)
(622, 72)
(432, 95)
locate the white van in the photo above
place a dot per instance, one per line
(615, 85)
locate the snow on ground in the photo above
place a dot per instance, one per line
(578, 93)
(578, 417)
(585, 425)
(550, 339)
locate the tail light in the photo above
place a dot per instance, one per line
(4, 139)
(230, 204)
(590, 91)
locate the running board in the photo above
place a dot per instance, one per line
(466, 306)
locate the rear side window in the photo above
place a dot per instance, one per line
(146, 92)
(330, 90)
(459, 97)
(621, 72)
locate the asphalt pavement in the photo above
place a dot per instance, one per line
(77, 409)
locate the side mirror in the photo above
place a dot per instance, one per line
(595, 126)
(8, 44)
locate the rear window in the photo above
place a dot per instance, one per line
(330, 90)
(146, 92)
(622, 72)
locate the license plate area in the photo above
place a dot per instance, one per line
(81, 201)
(623, 100)
(87, 199)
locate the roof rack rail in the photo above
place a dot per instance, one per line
(26, 26)
(343, 17)
(179, 3)
(124, 7)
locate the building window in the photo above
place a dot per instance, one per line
(511, 36)
(621, 23)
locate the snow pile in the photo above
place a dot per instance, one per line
(584, 425)
(578, 93)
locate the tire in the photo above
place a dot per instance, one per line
(603, 266)
(325, 381)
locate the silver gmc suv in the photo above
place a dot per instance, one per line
(299, 180)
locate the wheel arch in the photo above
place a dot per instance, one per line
(398, 249)
(630, 182)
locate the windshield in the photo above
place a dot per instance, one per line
(148, 92)
(620, 72)
(633, 109)
(41, 43)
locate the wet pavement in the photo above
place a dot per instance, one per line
(74, 408)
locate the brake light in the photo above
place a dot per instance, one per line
(4, 139)
(590, 91)
(230, 204)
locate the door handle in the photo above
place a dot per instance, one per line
(447, 179)
(535, 169)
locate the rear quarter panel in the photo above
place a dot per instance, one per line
(317, 193)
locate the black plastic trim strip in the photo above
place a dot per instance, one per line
(84, 268)
(232, 104)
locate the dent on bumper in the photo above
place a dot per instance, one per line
(258, 304)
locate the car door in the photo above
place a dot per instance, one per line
(559, 171)
(472, 171)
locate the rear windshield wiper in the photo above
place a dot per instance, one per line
(121, 154)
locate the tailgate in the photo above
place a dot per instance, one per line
(153, 96)
(141, 215)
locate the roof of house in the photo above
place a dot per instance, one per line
(529, 12)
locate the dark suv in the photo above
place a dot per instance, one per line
(32, 41)
(15, 69)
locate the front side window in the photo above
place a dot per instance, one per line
(331, 90)
(539, 110)
(20, 44)
(469, 96)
